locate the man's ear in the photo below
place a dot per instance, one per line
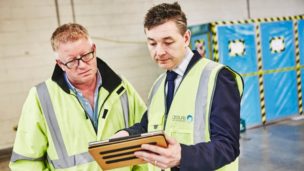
(187, 37)
(94, 48)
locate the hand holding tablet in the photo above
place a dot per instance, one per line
(119, 152)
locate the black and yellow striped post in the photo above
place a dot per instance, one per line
(298, 67)
(215, 45)
(260, 73)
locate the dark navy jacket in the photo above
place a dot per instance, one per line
(224, 127)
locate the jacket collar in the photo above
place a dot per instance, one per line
(110, 80)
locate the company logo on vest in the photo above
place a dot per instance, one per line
(182, 118)
(189, 118)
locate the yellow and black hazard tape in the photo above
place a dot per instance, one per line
(231, 53)
(260, 73)
(272, 71)
(298, 67)
(215, 47)
(259, 20)
(209, 46)
(272, 50)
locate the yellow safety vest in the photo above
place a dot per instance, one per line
(190, 108)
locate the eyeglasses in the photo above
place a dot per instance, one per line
(72, 64)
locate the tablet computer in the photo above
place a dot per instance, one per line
(119, 152)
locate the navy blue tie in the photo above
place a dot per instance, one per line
(171, 75)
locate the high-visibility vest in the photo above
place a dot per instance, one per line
(54, 123)
(188, 118)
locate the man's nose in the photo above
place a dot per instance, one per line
(160, 50)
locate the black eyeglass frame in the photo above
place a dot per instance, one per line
(78, 60)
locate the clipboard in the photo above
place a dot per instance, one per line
(119, 152)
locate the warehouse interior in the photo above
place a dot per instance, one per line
(273, 123)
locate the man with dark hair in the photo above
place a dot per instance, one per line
(84, 101)
(196, 102)
(165, 12)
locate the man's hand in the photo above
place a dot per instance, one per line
(161, 157)
(119, 134)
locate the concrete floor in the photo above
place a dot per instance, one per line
(277, 147)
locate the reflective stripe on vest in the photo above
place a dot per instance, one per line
(125, 108)
(16, 157)
(155, 88)
(65, 161)
(201, 103)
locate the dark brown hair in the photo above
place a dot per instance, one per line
(164, 12)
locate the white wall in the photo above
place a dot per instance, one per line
(25, 56)
(116, 28)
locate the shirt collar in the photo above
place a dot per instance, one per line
(75, 90)
(181, 68)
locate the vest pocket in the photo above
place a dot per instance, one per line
(183, 136)
(155, 127)
(156, 124)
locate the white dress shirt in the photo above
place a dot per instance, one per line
(181, 69)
